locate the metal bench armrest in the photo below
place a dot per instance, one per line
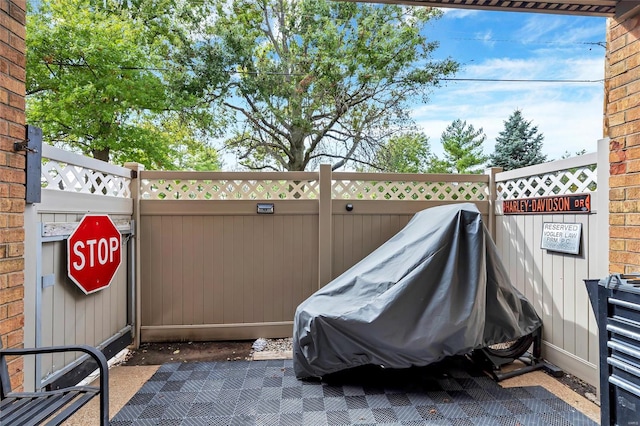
(94, 353)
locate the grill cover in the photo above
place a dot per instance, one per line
(435, 289)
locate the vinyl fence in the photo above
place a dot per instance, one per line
(230, 255)
(553, 281)
(57, 312)
(214, 267)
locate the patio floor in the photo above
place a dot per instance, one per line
(267, 393)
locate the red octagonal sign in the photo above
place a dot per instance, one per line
(94, 253)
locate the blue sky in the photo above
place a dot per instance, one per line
(508, 45)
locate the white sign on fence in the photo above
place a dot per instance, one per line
(562, 237)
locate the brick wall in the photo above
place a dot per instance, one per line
(12, 178)
(622, 126)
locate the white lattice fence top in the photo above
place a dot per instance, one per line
(228, 189)
(571, 181)
(409, 190)
(63, 176)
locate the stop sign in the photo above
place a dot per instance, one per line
(93, 253)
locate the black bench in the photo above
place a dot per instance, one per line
(50, 406)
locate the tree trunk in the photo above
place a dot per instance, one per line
(101, 154)
(296, 162)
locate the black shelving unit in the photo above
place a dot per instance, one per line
(616, 303)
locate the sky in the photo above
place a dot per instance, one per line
(520, 46)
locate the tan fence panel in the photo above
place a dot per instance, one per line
(355, 236)
(213, 268)
(224, 272)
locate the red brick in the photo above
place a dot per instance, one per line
(12, 294)
(617, 44)
(633, 166)
(17, 160)
(629, 206)
(633, 246)
(11, 205)
(616, 268)
(618, 169)
(11, 265)
(17, 43)
(22, 4)
(632, 64)
(616, 32)
(17, 377)
(12, 175)
(18, 14)
(632, 140)
(633, 87)
(615, 94)
(17, 191)
(16, 131)
(16, 308)
(15, 279)
(11, 324)
(12, 114)
(617, 118)
(632, 114)
(12, 25)
(624, 257)
(632, 193)
(625, 129)
(615, 145)
(617, 194)
(15, 220)
(15, 249)
(620, 105)
(15, 339)
(14, 85)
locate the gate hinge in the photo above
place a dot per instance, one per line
(48, 280)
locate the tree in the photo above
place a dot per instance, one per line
(518, 145)
(318, 80)
(406, 153)
(568, 154)
(98, 81)
(462, 145)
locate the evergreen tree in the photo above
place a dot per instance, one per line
(463, 147)
(518, 145)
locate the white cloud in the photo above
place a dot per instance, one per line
(458, 13)
(558, 30)
(569, 120)
(487, 38)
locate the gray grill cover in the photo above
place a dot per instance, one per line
(435, 289)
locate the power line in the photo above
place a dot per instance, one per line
(496, 80)
(560, 43)
(523, 80)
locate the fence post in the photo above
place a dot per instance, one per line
(493, 196)
(136, 169)
(325, 231)
(602, 208)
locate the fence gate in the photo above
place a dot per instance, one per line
(57, 312)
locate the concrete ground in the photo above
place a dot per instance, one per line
(124, 382)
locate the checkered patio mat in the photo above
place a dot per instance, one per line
(267, 393)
